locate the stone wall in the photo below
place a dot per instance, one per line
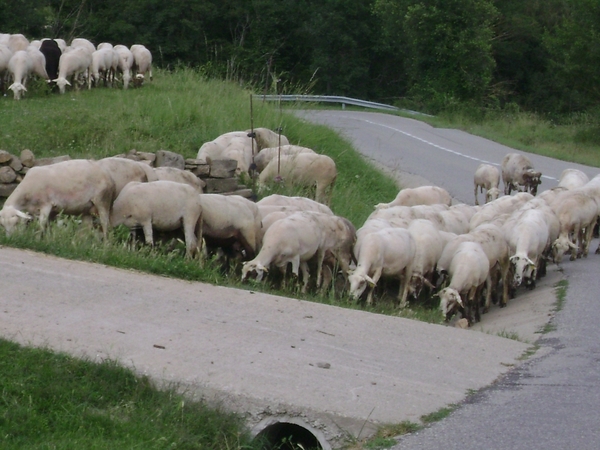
(218, 176)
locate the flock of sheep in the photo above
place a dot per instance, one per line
(466, 255)
(77, 64)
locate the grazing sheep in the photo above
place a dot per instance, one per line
(263, 157)
(73, 187)
(526, 233)
(51, 52)
(142, 64)
(83, 43)
(125, 64)
(572, 178)
(161, 206)
(102, 66)
(19, 67)
(123, 170)
(577, 213)
(422, 195)
(266, 138)
(304, 169)
(487, 177)
(517, 172)
(38, 63)
(237, 145)
(301, 203)
(180, 176)
(72, 65)
(468, 270)
(429, 246)
(292, 240)
(17, 42)
(229, 221)
(388, 252)
(5, 55)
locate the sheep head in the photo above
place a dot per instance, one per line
(10, 217)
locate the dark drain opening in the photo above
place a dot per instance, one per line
(287, 436)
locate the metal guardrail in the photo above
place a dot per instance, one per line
(327, 99)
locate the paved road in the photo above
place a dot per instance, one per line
(551, 402)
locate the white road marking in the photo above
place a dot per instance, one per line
(445, 149)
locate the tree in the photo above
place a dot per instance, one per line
(446, 45)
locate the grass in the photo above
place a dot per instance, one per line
(55, 401)
(574, 139)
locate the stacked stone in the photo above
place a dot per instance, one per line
(13, 168)
(218, 176)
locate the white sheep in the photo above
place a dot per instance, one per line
(577, 213)
(125, 64)
(83, 43)
(388, 252)
(102, 65)
(572, 178)
(180, 176)
(301, 203)
(306, 170)
(422, 195)
(264, 156)
(517, 172)
(19, 67)
(468, 270)
(142, 64)
(292, 240)
(5, 55)
(161, 206)
(229, 221)
(123, 171)
(266, 138)
(38, 63)
(527, 235)
(17, 42)
(73, 187)
(487, 177)
(429, 246)
(72, 65)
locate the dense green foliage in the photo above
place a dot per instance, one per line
(535, 55)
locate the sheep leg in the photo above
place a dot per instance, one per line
(404, 284)
(305, 276)
(147, 227)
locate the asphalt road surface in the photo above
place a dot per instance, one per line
(550, 402)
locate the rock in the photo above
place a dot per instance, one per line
(220, 185)
(5, 157)
(222, 168)
(462, 323)
(15, 164)
(7, 189)
(165, 158)
(246, 193)
(7, 174)
(27, 158)
(202, 171)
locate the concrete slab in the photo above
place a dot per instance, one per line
(336, 372)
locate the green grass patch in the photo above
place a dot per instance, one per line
(52, 400)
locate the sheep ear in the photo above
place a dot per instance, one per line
(573, 246)
(23, 215)
(529, 261)
(67, 81)
(459, 300)
(370, 281)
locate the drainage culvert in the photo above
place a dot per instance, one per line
(289, 433)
